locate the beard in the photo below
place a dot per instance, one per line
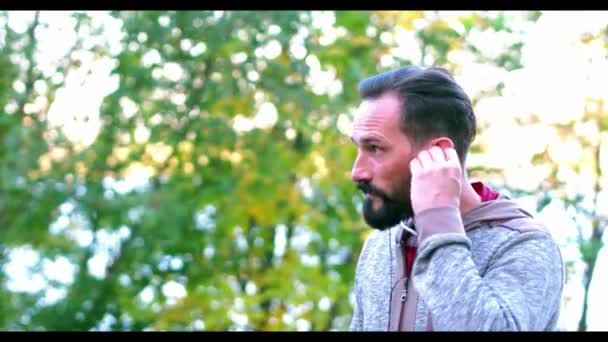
(393, 207)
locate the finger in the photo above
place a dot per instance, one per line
(415, 166)
(425, 158)
(452, 156)
(437, 154)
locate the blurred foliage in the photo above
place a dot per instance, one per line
(260, 222)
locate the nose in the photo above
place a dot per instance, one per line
(360, 171)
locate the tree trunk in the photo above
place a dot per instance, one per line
(595, 243)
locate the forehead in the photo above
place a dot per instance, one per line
(378, 116)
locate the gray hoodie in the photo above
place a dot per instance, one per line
(495, 269)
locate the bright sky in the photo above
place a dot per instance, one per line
(559, 73)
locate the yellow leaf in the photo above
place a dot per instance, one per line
(406, 19)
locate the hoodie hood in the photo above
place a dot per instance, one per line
(498, 212)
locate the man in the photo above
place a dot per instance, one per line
(446, 254)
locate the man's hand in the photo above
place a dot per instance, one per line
(436, 179)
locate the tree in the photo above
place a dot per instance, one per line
(215, 193)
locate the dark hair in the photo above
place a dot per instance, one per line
(432, 104)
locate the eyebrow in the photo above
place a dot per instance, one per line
(367, 140)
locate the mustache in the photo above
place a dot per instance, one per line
(370, 189)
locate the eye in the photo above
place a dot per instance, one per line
(375, 149)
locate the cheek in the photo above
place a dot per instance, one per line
(400, 167)
(394, 173)
(406, 168)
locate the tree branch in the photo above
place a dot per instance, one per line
(29, 55)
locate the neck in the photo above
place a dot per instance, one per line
(469, 199)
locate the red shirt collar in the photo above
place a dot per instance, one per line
(486, 193)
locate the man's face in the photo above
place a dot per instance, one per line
(381, 169)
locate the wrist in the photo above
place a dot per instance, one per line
(438, 220)
(437, 203)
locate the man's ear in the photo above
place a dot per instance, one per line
(441, 142)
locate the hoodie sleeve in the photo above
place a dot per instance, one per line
(519, 291)
(356, 324)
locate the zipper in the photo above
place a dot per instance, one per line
(405, 282)
(403, 298)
